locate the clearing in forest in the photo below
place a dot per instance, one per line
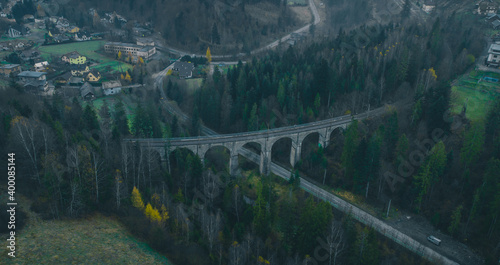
(476, 90)
(94, 240)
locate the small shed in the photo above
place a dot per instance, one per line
(87, 91)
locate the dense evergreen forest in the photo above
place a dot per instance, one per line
(229, 26)
(74, 163)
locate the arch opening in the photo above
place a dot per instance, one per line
(186, 169)
(281, 152)
(309, 144)
(252, 149)
(217, 158)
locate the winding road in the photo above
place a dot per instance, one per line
(317, 20)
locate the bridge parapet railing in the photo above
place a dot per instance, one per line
(263, 133)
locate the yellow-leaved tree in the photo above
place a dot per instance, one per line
(137, 199)
(208, 55)
(141, 61)
(119, 55)
(164, 214)
(152, 214)
(128, 77)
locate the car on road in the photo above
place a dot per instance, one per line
(434, 240)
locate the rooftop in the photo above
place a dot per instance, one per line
(72, 55)
(111, 84)
(123, 44)
(8, 66)
(86, 89)
(141, 48)
(78, 67)
(494, 48)
(95, 72)
(184, 68)
(31, 74)
(41, 64)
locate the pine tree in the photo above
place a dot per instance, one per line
(472, 145)
(179, 197)
(215, 34)
(261, 216)
(401, 150)
(90, 118)
(392, 133)
(349, 150)
(456, 217)
(253, 122)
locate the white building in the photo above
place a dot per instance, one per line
(136, 50)
(493, 55)
(111, 87)
(41, 66)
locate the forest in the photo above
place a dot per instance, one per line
(75, 163)
(226, 26)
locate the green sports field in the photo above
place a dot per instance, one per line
(472, 89)
(87, 48)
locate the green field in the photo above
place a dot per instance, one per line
(92, 240)
(6, 38)
(113, 66)
(87, 48)
(129, 106)
(193, 84)
(476, 92)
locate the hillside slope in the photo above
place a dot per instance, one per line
(94, 240)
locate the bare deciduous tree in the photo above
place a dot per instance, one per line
(236, 198)
(335, 242)
(119, 189)
(97, 172)
(27, 133)
(211, 226)
(75, 203)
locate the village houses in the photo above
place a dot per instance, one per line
(36, 81)
(486, 7)
(74, 58)
(7, 69)
(183, 69)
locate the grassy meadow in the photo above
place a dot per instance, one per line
(477, 93)
(88, 49)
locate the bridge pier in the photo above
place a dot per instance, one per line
(295, 153)
(233, 163)
(265, 162)
(324, 140)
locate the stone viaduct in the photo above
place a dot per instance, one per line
(265, 138)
